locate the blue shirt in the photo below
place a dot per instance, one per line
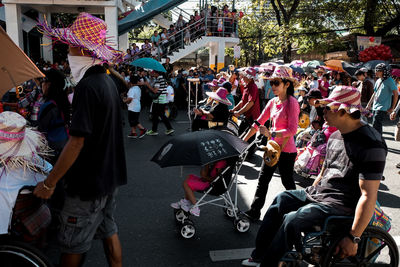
(266, 88)
(208, 77)
(383, 94)
(232, 100)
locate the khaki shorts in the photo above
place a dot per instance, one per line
(82, 221)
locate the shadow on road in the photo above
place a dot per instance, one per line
(388, 200)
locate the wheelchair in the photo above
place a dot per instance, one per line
(377, 247)
(15, 250)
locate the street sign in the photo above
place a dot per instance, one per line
(236, 51)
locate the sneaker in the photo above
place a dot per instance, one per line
(151, 132)
(142, 133)
(195, 211)
(132, 135)
(169, 132)
(250, 262)
(252, 215)
(181, 203)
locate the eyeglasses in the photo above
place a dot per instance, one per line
(327, 108)
(275, 82)
(44, 80)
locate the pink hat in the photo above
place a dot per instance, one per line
(213, 83)
(220, 96)
(344, 97)
(86, 32)
(250, 73)
(284, 72)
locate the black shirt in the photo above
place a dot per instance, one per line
(360, 154)
(96, 115)
(220, 113)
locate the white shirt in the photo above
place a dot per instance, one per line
(314, 85)
(11, 181)
(170, 94)
(134, 93)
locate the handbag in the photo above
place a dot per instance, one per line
(31, 216)
(397, 132)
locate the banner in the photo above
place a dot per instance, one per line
(364, 42)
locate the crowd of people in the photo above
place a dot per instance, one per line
(81, 118)
(210, 22)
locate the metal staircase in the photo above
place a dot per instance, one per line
(145, 13)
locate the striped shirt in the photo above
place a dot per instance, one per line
(360, 154)
(161, 85)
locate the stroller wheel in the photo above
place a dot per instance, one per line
(180, 215)
(188, 230)
(229, 212)
(242, 224)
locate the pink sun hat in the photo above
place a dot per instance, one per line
(220, 95)
(250, 73)
(344, 97)
(213, 83)
(86, 32)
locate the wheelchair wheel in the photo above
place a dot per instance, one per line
(19, 254)
(377, 248)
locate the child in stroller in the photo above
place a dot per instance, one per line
(194, 183)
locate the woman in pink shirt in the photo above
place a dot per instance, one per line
(283, 111)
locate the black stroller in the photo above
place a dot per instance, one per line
(222, 191)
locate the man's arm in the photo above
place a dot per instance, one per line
(319, 177)
(394, 101)
(68, 156)
(245, 108)
(363, 214)
(237, 106)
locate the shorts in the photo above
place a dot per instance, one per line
(82, 221)
(196, 184)
(133, 118)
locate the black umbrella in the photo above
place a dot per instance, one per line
(199, 148)
(349, 68)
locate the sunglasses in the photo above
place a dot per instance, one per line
(327, 108)
(44, 80)
(275, 82)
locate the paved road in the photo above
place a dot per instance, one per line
(147, 228)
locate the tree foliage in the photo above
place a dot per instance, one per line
(272, 28)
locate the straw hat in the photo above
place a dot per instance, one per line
(21, 146)
(220, 96)
(86, 32)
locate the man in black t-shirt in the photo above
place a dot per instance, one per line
(347, 185)
(92, 163)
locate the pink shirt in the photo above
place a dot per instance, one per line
(284, 116)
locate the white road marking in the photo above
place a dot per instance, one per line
(230, 254)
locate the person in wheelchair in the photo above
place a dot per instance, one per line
(21, 164)
(218, 113)
(347, 185)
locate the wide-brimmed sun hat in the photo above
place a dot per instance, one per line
(20, 146)
(86, 32)
(250, 73)
(213, 83)
(344, 97)
(220, 96)
(284, 72)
